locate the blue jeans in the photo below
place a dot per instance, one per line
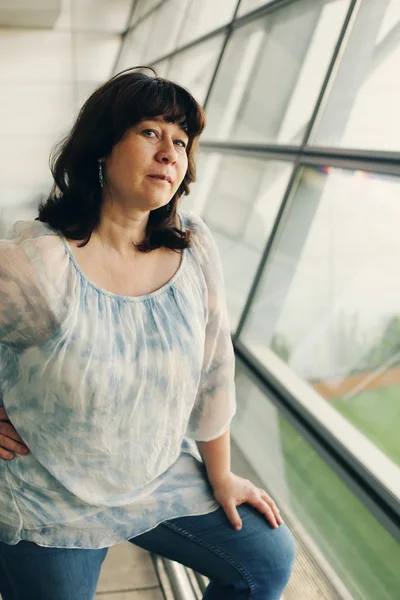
(252, 564)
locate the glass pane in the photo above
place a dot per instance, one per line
(211, 16)
(166, 27)
(162, 68)
(194, 68)
(272, 72)
(362, 110)
(143, 7)
(346, 539)
(239, 198)
(249, 5)
(93, 15)
(136, 44)
(329, 300)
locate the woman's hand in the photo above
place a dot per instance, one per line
(10, 441)
(230, 491)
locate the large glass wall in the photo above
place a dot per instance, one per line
(328, 302)
(299, 180)
(271, 73)
(360, 551)
(361, 110)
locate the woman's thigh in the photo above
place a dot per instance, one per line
(31, 572)
(253, 563)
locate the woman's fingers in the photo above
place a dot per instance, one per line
(5, 454)
(233, 515)
(8, 430)
(266, 506)
(10, 441)
(272, 506)
(10, 445)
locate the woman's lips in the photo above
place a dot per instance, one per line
(161, 178)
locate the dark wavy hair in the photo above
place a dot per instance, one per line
(74, 204)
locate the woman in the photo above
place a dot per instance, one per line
(117, 368)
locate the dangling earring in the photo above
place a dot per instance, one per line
(101, 178)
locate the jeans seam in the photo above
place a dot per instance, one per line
(216, 551)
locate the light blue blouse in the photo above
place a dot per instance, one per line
(109, 392)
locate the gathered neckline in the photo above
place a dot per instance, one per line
(122, 297)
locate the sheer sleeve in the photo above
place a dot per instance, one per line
(31, 272)
(215, 403)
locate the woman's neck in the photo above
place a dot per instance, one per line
(119, 230)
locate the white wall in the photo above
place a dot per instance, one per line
(45, 75)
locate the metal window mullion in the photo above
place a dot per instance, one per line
(262, 11)
(145, 16)
(131, 13)
(384, 507)
(373, 165)
(333, 67)
(368, 160)
(257, 151)
(221, 54)
(123, 37)
(191, 44)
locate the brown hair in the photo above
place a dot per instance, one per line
(74, 204)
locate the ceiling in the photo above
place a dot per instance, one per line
(25, 13)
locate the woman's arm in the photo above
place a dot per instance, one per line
(216, 455)
(230, 490)
(215, 403)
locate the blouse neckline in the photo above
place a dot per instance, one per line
(126, 298)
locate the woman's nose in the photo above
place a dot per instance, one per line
(167, 153)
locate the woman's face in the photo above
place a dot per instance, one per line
(147, 166)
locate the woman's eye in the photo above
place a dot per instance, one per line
(180, 143)
(149, 132)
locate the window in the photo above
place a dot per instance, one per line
(165, 30)
(359, 555)
(328, 301)
(247, 6)
(161, 68)
(202, 17)
(362, 110)
(143, 7)
(239, 198)
(272, 71)
(136, 43)
(194, 68)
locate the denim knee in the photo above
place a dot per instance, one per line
(276, 558)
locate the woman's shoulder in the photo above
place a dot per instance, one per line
(31, 242)
(202, 240)
(22, 231)
(203, 245)
(32, 247)
(195, 223)
(33, 283)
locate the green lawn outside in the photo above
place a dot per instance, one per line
(377, 414)
(362, 553)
